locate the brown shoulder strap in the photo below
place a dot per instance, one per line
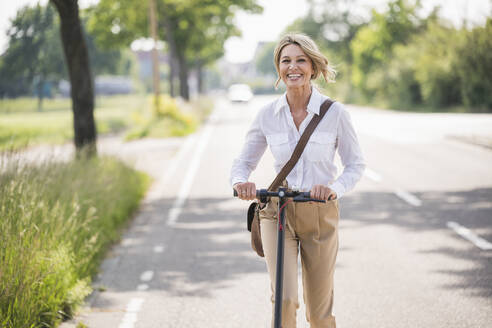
(284, 172)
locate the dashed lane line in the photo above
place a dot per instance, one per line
(147, 275)
(131, 311)
(457, 228)
(373, 175)
(408, 197)
(402, 194)
(470, 236)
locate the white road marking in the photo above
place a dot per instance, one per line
(147, 275)
(160, 186)
(142, 287)
(373, 175)
(405, 195)
(175, 211)
(158, 249)
(470, 236)
(132, 309)
(176, 161)
(408, 197)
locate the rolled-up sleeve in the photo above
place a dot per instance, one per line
(350, 154)
(251, 153)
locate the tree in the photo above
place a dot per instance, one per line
(155, 55)
(373, 44)
(194, 30)
(34, 54)
(333, 24)
(81, 81)
(474, 67)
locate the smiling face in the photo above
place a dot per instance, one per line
(295, 67)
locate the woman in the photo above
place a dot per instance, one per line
(312, 228)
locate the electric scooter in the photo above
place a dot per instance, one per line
(283, 195)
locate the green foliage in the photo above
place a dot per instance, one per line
(198, 29)
(402, 60)
(474, 67)
(402, 88)
(167, 106)
(333, 24)
(436, 66)
(34, 54)
(169, 118)
(58, 219)
(373, 44)
(117, 23)
(423, 72)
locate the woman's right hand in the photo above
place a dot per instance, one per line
(245, 190)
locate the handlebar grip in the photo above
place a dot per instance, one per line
(236, 194)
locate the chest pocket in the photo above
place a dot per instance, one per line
(279, 145)
(321, 146)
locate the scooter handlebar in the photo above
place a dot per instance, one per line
(298, 196)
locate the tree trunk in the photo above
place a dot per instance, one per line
(172, 54)
(172, 74)
(155, 55)
(40, 94)
(199, 70)
(184, 90)
(81, 82)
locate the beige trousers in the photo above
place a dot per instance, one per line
(312, 228)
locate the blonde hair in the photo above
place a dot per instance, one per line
(320, 62)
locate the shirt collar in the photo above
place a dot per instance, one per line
(315, 101)
(313, 106)
(281, 103)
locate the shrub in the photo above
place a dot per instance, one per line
(169, 118)
(474, 67)
(57, 220)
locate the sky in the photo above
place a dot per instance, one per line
(276, 16)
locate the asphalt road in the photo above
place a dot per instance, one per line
(414, 234)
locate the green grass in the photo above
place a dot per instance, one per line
(26, 126)
(27, 105)
(56, 222)
(21, 125)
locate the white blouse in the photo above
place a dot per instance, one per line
(274, 126)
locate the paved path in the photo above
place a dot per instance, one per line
(410, 253)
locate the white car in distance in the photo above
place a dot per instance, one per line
(239, 93)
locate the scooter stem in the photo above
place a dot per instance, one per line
(280, 260)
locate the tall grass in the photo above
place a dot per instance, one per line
(170, 118)
(56, 221)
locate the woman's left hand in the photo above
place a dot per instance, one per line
(323, 193)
